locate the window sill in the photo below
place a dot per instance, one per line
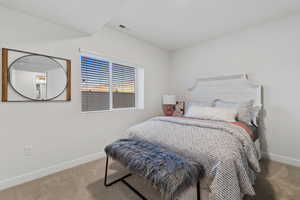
(111, 110)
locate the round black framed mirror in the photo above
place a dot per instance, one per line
(37, 77)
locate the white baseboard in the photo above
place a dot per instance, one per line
(282, 159)
(7, 183)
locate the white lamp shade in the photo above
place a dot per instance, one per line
(169, 99)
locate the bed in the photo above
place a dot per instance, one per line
(228, 153)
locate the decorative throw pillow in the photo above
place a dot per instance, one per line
(246, 112)
(212, 113)
(179, 108)
(197, 103)
(256, 114)
(219, 103)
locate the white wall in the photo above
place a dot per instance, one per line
(270, 55)
(59, 132)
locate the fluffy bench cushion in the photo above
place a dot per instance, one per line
(171, 173)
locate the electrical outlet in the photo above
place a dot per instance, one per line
(28, 151)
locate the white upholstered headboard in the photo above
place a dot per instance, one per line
(232, 88)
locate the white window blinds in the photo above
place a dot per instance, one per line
(123, 86)
(107, 85)
(95, 84)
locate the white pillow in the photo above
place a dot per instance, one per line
(222, 114)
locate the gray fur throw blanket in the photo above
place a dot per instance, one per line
(171, 173)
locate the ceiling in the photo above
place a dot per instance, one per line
(33, 29)
(169, 24)
(174, 24)
(81, 15)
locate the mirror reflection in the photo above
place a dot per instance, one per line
(37, 77)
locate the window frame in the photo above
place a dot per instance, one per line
(111, 60)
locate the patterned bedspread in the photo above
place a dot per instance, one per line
(227, 152)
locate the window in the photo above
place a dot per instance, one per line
(108, 85)
(123, 86)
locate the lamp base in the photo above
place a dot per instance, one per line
(168, 109)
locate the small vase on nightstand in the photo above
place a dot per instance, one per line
(168, 109)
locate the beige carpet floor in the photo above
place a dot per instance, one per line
(85, 182)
